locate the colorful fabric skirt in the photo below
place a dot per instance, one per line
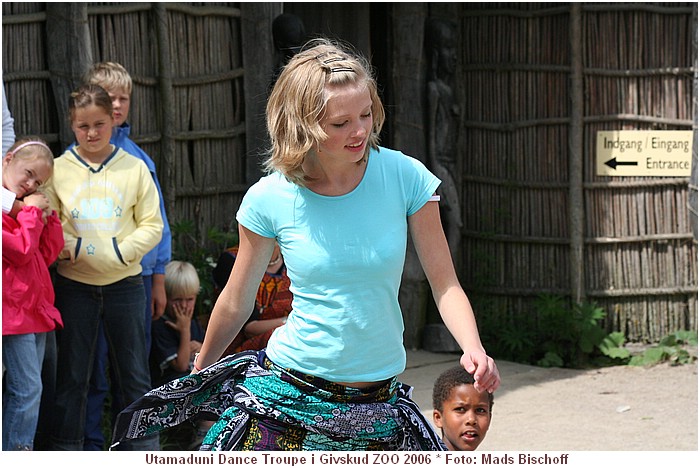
(258, 405)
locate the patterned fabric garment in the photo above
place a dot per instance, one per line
(273, 300)
(260, 406)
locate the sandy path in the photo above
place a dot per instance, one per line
(616, 408)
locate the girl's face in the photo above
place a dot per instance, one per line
(347, 122)
(92, 126)
(25, 175)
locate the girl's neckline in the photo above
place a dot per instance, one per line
(91, 161)
(366, 165)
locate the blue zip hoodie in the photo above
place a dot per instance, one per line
(154, 261)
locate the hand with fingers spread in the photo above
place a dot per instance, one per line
(182, 316)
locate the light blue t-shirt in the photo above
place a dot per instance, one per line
(344, 256)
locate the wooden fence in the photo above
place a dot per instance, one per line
(537, 81)
(188, 116)
(538, 220)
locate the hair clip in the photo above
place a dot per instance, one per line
(334, 59)
(339, 69)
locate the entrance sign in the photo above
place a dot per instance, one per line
(660, 153)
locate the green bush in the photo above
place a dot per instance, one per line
(556, 335)
(559, 335)
(671, 348)
(202, 252)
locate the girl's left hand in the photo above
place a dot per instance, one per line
(484, 369)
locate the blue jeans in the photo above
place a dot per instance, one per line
(118, 308)
(22, 356)
(42, 438)
(99, 386)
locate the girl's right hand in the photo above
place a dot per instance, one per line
(67, 254)
(37, 199)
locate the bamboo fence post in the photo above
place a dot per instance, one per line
(576, 211)
(258, 63)
(406, 66)
(693, 187)
(165, 81)
(69, 56)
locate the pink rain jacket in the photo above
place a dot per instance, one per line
(28, 248)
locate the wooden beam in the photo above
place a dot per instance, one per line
(576, 200)
(258, 62)
(69, 56)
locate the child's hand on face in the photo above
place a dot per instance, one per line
(182, 315)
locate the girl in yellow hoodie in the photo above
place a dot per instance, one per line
(110, 212)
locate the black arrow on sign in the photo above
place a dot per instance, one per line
(614, 163)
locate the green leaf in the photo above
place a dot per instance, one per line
(637, 361)
(551, 359)
(654, 355)
(617, 353)
(687, 336)
(668, 340)
(611, 346)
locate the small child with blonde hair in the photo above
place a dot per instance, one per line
(31, 241)
(177, 337)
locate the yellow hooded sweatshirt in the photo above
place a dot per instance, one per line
(110, 216)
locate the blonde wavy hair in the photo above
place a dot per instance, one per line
(298, 102)
(109, 75)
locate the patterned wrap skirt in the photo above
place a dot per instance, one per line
(258, 405)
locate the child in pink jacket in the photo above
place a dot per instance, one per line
(31, 241)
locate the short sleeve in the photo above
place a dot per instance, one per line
(258, 206)
(421, 185)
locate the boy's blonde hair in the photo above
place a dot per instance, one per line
(298, 102)
(181, 279)
(109, 75)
